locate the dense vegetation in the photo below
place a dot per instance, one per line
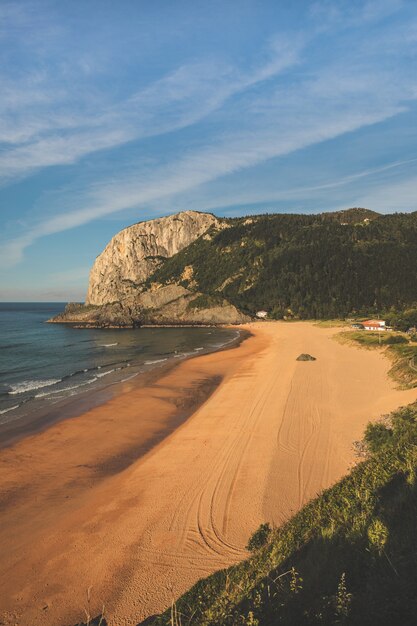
(309, 266)
(403, 320)
(348, 557)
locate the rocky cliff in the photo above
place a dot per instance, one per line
(118, 295)
(137, 251)
(161, 305)
(196, 268)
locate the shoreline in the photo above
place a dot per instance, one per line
(102, 501)
(41, 419)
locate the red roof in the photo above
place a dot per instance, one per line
(373, 323)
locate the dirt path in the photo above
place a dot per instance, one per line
(274, 433)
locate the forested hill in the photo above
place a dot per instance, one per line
(326, 265)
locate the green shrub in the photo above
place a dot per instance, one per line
(377, 436)
(260, 537)
(377, 535)
(393, 339)
(343, 600)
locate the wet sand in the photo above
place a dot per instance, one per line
(43, 417)
(135, 502)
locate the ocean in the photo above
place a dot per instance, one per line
(42, 364)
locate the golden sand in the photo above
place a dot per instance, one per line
(110, 501)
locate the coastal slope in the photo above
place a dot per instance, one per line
(105, 501)
(195, 268)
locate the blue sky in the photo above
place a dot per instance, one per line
(115, 112)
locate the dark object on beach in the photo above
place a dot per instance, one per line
(306, 357)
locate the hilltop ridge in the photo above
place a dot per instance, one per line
(196, 268)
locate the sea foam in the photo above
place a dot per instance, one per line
(11, 408)
(31, 385)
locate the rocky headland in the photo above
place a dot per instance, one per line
(121, 292)
(196, 268)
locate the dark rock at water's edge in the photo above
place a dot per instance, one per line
(162, 306)
(306, 357)
(113, 315)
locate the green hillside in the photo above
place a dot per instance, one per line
(348, 557)
(309, 266)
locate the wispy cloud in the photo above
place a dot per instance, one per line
(229, 156)
(232, 199)
(391, 195)
(337, 94)
(332, 13)
(43, 123)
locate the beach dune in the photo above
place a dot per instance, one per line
(135, 503)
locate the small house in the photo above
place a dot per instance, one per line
(374, 325)
(262, 314)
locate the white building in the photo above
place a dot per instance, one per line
(374, 325)
(262, 314)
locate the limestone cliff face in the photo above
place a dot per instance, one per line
(134, 254)
(117, 295)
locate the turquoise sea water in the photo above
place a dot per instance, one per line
(43, 364)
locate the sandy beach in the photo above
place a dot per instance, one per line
(163, 484)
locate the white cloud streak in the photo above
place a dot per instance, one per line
(341, 95)
(195, 169)
(332, 13)
(40, 130)
(392, 196)
(234, 198)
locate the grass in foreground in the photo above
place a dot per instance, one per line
(348, 557)
(399, 348)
